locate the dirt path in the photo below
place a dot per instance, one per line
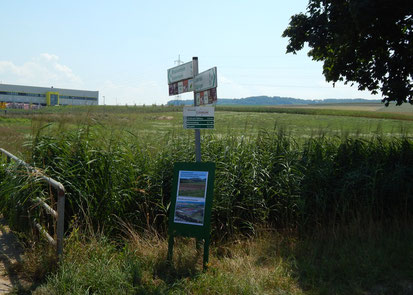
(10, 253)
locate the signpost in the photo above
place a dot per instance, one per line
(197, 131)
(191, 198)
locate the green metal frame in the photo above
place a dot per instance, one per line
(200, 232)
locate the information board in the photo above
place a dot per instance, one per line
(191, 199)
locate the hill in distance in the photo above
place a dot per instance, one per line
(275, 100)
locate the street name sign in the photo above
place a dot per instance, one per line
(199, 117)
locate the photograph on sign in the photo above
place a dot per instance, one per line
(173, 89)
(199, 97)
(186, 86)
(190, 198)
(206, 97)
(180, 87)
(212, 97)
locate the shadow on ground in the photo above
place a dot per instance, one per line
(374, 263)
(10, 254)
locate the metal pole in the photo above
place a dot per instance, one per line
(197, 131)
(60, 221)
(197, 136)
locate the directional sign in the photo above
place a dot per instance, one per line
(198, 117)
(206, 80)
(181, 72)
(199, 122)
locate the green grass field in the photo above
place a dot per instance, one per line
(152, 123)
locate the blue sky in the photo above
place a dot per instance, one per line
(124, 48)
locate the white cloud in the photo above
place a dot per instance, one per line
(67, 72)
(49, 57)
(44, 70)
(145, 92)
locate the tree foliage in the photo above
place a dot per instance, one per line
(368, 42)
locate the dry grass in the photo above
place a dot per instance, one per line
(11, 138)
(242, 266)
(271, 263)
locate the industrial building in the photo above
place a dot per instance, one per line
(46, 96)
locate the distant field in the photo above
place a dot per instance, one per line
(153, 122)
(371, 107)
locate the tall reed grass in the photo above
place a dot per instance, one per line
(269, 180)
